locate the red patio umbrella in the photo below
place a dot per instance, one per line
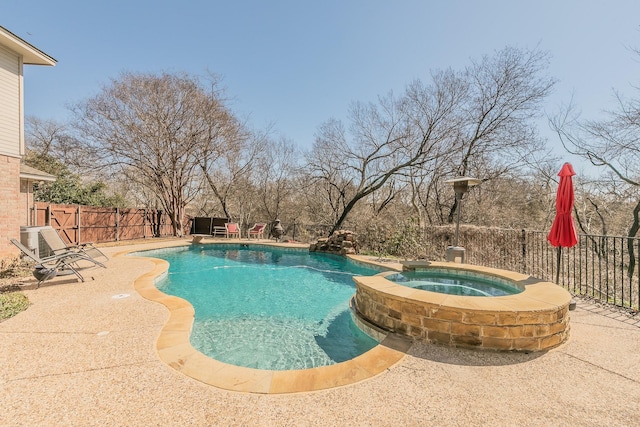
(563, 231)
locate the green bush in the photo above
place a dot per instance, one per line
(12, 303)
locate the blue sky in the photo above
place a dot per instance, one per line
(298, 63)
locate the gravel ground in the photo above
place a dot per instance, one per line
(79, 357)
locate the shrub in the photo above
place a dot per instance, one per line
(402, 239)
(12, 303)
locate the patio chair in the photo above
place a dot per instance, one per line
(257, 231)
(218, 227)
(57, 245)
(56, 265)
(232, 229)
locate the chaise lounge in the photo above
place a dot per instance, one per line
(61, 264)
(57, 245)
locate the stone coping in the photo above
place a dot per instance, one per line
(537, 294)
(393, 266)
(174, 347)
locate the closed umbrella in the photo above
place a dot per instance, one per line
(563, 231)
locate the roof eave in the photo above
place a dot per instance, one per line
(28, 172)
(31, 55)
(37, 177)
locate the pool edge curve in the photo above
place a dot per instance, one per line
(173, 347)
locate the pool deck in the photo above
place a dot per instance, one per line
(79, 356)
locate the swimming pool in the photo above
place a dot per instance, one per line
(267, 308)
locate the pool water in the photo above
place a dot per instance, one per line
(267, 308)
(465, 284)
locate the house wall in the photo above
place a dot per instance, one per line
(11, 139)
(14, 195)
(12, 214)
(10, 205)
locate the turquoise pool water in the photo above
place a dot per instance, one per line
(267, 308)
(455, 283)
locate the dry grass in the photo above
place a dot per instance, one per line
(13, 272)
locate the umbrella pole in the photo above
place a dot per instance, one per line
(559, 256)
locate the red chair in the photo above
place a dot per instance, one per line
(257, 231)
(233, 229)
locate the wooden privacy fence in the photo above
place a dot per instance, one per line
(80, 224)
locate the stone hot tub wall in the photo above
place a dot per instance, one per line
(533, 320)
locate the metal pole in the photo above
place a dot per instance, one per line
(559, 258)
(458, 208)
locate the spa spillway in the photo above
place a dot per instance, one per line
(535, 319)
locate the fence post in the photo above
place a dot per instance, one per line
(78, 238)
(117, 224)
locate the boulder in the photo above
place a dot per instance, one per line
(341, 242)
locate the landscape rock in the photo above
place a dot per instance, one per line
(341, 242)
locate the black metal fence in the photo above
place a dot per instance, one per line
(605, 268)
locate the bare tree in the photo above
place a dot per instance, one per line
(227, 161)
(274, 175)
(331, 186)
(51, 138)
(477, 120)
(44, 136)
(612, 143)
(385, 139)
(157, 126)
(503, 94)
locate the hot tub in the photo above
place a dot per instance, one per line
(532, 320)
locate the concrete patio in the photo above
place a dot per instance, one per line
(85, 354)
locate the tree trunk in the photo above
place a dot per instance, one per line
(452, 212)
(632, 233)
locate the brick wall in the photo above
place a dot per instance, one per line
(11, 213)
